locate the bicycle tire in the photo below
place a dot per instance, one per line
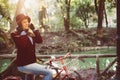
(74, 76)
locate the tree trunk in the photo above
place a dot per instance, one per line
(96, 6)
(42, 15)
(67, 17)
(100, 18)
(106, 20)
(118, 41)
(18, 10)
(6, 39)
(86, 24)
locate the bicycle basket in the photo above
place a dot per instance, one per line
(71, 64)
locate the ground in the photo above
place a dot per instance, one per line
(54, 42)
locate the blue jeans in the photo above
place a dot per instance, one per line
(36, 69)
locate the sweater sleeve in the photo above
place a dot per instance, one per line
(20, 40)
(38, 38)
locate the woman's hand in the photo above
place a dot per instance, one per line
(30, 33)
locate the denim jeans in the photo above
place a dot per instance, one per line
(36, 69)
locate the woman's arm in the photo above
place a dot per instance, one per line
(38, 38)
(20, 40)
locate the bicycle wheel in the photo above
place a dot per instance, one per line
(74, 76)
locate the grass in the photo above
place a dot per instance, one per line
(104, 62)
(102, 51)
(3, 64)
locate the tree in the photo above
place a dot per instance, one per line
(96, 9)
(5, 17)
(100, 18)
(4, 9)
(4, 13)
(20, 5)
(84, 11)
(65, 10)
(42, 15)
(118, 41)
(67, 17)
(4, 36)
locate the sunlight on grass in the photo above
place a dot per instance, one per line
(102, 51)
(3, 64)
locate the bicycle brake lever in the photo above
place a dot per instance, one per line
(67, 54)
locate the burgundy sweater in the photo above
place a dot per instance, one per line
(25, 49)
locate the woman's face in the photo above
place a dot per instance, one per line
(25, 24)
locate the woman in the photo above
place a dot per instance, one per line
(25, 38)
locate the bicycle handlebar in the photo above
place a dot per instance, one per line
(61, 58)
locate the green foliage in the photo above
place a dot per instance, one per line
(57, 22)
(3, 64)
(1, 39)
(4, 9)
(4, 14)
(110, 4)
(84, 11)
(75, 23)
(62, 5)
(81, 12)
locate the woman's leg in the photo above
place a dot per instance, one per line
(37, 69)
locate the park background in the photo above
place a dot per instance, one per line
(79, 26)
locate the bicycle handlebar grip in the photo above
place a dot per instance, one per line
(67, 54)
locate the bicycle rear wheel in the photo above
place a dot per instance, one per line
(74, 76)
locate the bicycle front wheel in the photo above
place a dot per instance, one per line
(74, 76)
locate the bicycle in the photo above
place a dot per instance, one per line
(62, 72)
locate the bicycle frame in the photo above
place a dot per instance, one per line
(63, 68)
